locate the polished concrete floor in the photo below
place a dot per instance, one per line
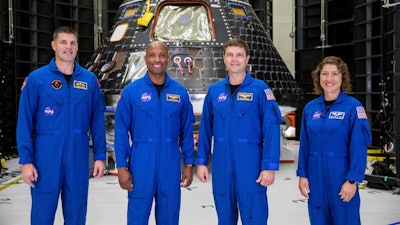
(107, 202)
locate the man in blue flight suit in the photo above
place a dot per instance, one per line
(241, 116)
(153, 127)
(60, 104)
(333, 147)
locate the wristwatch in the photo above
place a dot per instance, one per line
(351, 181)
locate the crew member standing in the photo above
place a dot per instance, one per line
(60, 104)
(153, 128)
(333, 147)
(241, 118)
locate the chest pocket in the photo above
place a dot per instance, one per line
(172, 109)
(223, 109)
(336, 120)
(79, 92)
(147, 107)
(330, 122)
(236, 107)
(51, 96)
(242, 107)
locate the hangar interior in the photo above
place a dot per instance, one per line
(366, 34)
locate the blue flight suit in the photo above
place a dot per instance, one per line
(333, 149)
(54, 121)
(151, 132)
(245, 130)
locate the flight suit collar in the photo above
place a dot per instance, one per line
(53, 67)
(149, 82)
(247, 80)
(339, 99)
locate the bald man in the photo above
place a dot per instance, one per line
(153, 128)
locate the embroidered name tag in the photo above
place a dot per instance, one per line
(80, 85)
(335, 115)
(173, 98)
(243, 96)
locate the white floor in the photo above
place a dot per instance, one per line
(107, 202)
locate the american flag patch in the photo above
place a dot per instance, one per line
(24, 84)
(361, 113)
(269, 94)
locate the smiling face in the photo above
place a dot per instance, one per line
(236, 60)
(156, 59)
(65, 47)
(331, 80)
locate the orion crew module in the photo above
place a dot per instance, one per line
(195, 32)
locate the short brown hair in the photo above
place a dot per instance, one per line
(64, 29)
(342, 67)
(239, 43)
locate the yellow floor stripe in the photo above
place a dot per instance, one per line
(11, 183)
